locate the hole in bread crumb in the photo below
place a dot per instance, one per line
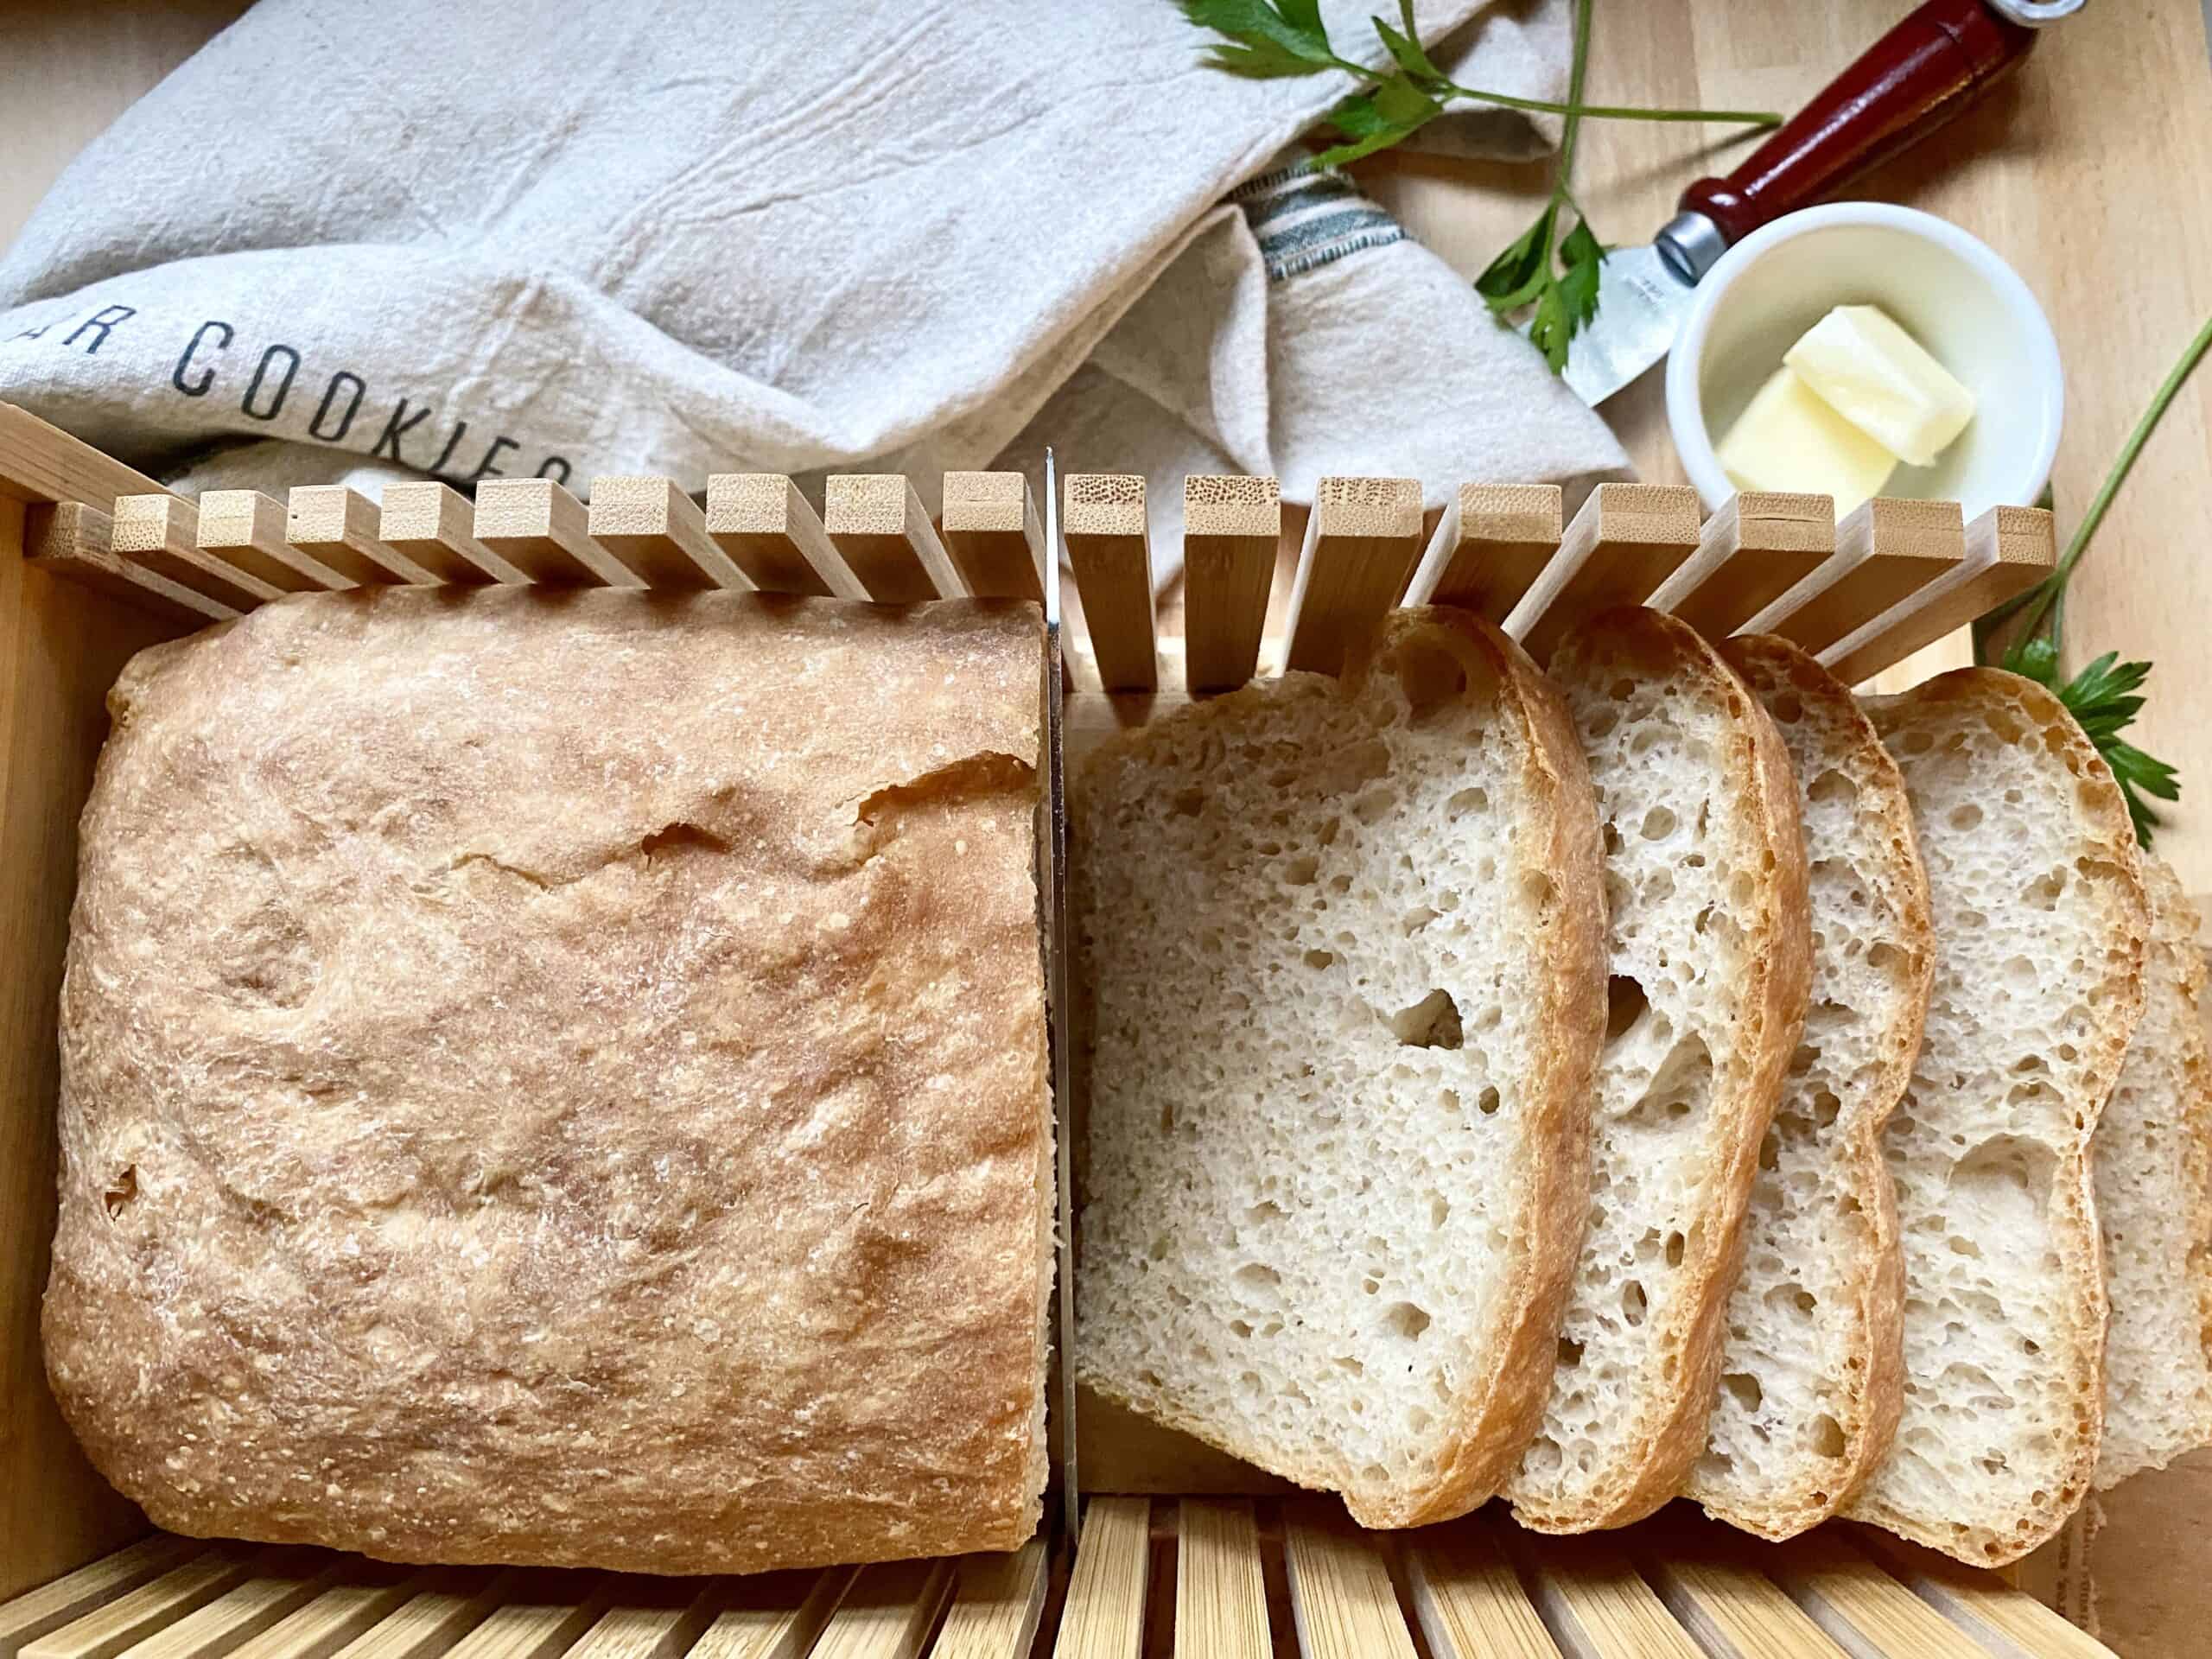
(1885, 956)
(1570, 1353)
(1259, 1275)
(1743, 1388)
(1828, 1436)
(1468, 800)
(1415, 919)
(1187, 803)
(1346, 1363)
(1633, 1302)
(1659, 823)
(1433, 677)
(1302, 870)
(121, 1191)
(1267, 1210)
(1674, 1248)
(1624, 1004)
(1406, 1320)
(1240, 1328)
(1965, 815)
(1833, 787)
(1487, 1101)
(1432, 1022)
(1787, 709)
(1319, 958)
(1439, 1210)
(1370, 807)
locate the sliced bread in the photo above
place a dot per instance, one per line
(1705, 886)
(2040, 927)
(1812, 1371)
(2152, 1160)
(1343, 946)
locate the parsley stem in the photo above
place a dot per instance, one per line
(1576, 110)
(1577, 68)
(2045, 594)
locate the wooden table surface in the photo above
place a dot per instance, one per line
(2091, 171)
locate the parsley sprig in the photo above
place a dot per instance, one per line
(1563, 290)
(1269, 40)
(2103, 696)
(1552, 266)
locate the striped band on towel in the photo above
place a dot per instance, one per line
(1305, 219)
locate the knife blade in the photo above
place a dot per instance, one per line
(1641, 303)
(1052, 906)
(1912, 81)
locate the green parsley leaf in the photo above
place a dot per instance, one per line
(1583, 254)
(1273, 38)
(1552, 327)
(1517, 275)
(1411, 55)
(1376, 120)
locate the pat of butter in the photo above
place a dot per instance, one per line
(1788, 439)
(1880, 379)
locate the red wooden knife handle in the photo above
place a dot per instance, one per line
(1913, 79)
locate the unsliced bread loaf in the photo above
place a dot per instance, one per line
(2152, 1158)
(1704, 887)
(2040, 927)
(1812, 1376)
(558, 1077)
(1344, 948)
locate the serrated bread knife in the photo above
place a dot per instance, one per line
(1912, 81)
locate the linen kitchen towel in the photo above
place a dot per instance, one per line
(505, 238)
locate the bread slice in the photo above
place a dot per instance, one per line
(1705, 886)
(1812, 1372)
(2152, 1157)
(1345, 945)
(2040, 926)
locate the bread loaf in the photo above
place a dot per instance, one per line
(2040, 927)
(559, 1078)
(1812, 1374)
(2152, 1157)
(1709, 941)
(1345, 951)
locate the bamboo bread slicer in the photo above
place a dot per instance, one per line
(1156, 1545)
